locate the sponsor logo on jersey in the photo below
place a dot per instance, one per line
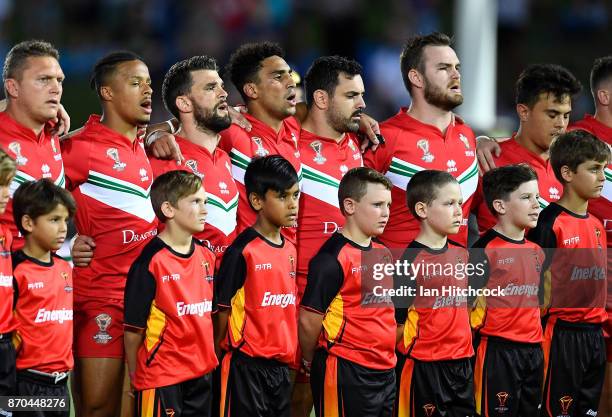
(553, 192)
(103, 321)
(281, 300)
(423, 145)
(59, 316)
(513, 289)
(36, 285)
(46, 171)
(144, 174)
(330, 227)
(451, 165)
(223, 188)
(263, 267)
(113, 153)
(171, 277)
(6, 280)
(595, 273)
(193, 309)
(571, 241)
(130, 236)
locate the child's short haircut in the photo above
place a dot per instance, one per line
(499, 183)
(7, 169)
(355, 182)
(171, 187)
(37, 198)
(423, 187)
(573, 148)
(272, 172)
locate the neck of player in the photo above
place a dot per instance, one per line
(522, 138)
(22, 117)
(430, 114)
(316, 123)
(352, 232)
(268, 230)
(199, 136)
(177, 238)
(115, 122)
(263, 115)
(34, 250)
(604, 116)
(431, 238)
(509, 229)
(573, 202)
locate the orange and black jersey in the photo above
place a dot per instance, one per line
(357, 326)
(170, 296)
(436, 325)
(514, 266)
(43, 310)
(256, 281)
(7, 324)
(574, 272)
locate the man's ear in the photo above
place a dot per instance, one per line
(250, 90)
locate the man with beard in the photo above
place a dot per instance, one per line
(328, 149)
(193, 92)
(543, 104)
(109, 175)
(426, 136)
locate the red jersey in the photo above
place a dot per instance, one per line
(412, 146)
(170, 296)
(324, 163)
(216, 173)
(262, 140)
(512, 153)
(7, 323)
(515, 266)
(257, 282)
(357, 326)
(43, 339)
(110, 178)
(575, 282)
(601, 207)
(437, 325)
(35, 157)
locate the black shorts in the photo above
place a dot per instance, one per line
(344, 388)
(254, 387)
(433, 389)
(508, 378)
(191, 398)
(8, 377)
(575, 360)
(33, 384)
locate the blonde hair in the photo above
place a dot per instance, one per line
(7, 169)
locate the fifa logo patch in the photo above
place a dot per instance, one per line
(423, 145)
(260, 151)
(317, 146)
(103, 321)
(15, 147)
(193, 166)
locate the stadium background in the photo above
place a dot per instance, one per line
(568, 32)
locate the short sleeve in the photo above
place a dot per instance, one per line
(231, 276)
(140, 291)
(325, 278)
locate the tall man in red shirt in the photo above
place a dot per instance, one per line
(428, 135)
(109, 175)
(193, 92)
(543, 104)
(328, 150)
(33, 86)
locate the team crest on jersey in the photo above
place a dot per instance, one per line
(15, 147)
(423, 145)
(67, 286)
(502, 399)
(113, 153)
(193, 166)
(260, 151)
(103, 321)
(170, 412)
(536, 258)
(317, 146)
(295, 141)
(206, 267)
(144, 174)
(565, 402)
(291, 266)
(429, 409)
(46, 171)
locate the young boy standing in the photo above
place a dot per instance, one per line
(435, 340)
(169, 301)
(7, 323)
(43, 292)
(574, 272)
(352, 342)
(256, 293)
(509, 360)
